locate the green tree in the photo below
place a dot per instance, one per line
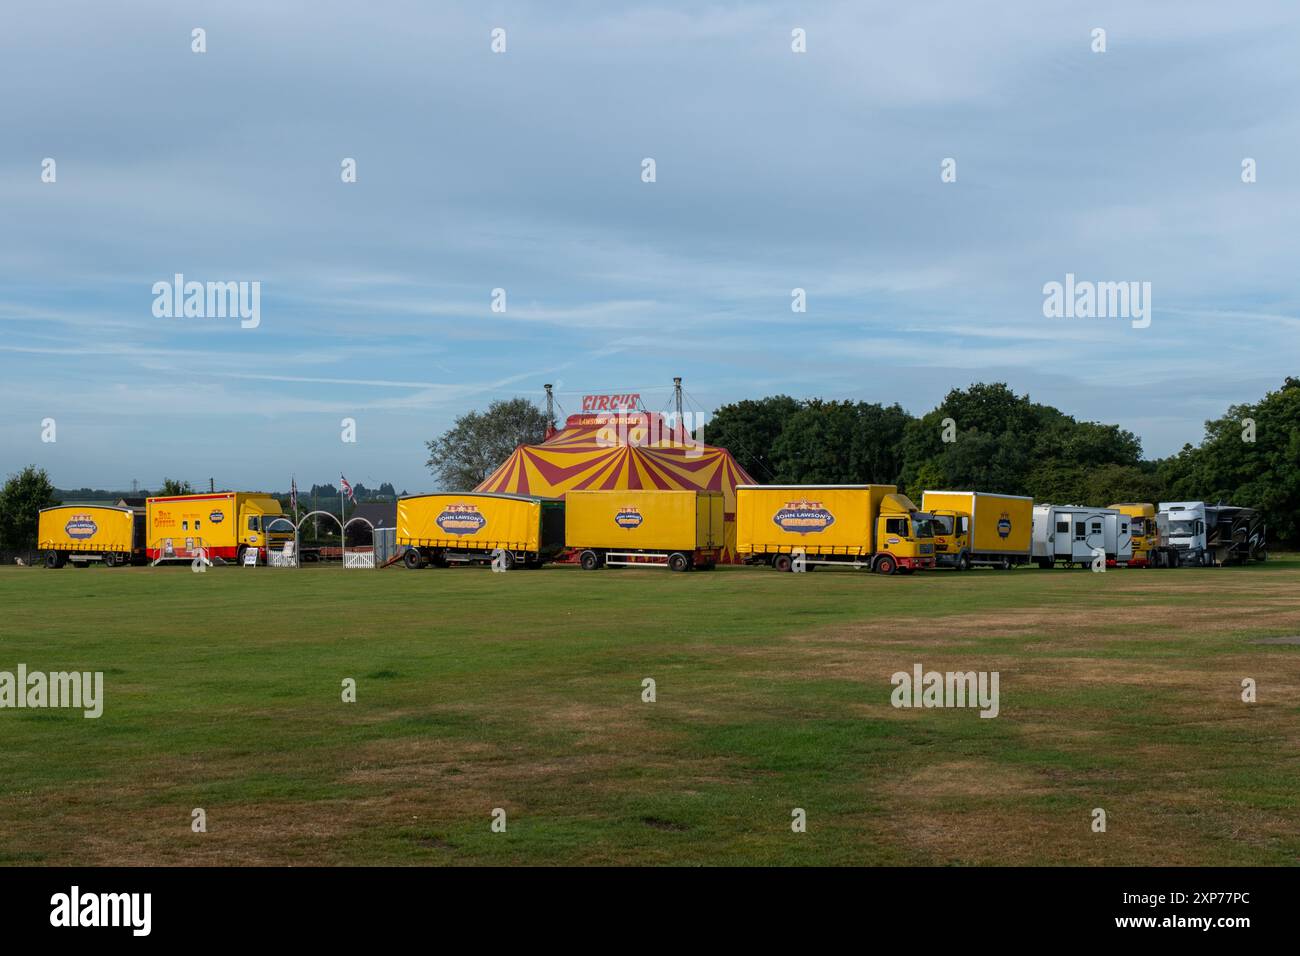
(841, 443)
(480, 441)
(749, 429)
(21, 500)
(172, 487)
(1262, 473)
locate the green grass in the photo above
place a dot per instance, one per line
(523, 691)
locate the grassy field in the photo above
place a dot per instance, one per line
(523, 691)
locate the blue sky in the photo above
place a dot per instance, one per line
(522, 171)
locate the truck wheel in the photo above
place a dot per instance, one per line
(589, 561)
(1006, 564)
(963, 563)
(53, 560)
(110, 560)
(886, 565)
(783, 562)
(678, 562)
(413, 559)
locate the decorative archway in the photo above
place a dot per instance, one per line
(361, 559)
(297, 535)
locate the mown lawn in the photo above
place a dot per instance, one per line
(523, 691)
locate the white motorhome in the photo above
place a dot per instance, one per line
(1073, 534)
(1185, 525)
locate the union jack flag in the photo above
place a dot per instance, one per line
(348, 488)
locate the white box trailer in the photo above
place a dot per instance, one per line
(1073, 534)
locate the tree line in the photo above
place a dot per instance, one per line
(988, 438)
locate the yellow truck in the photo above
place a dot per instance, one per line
(82, 534)
(976, 527)
(225, 525)
(679, 530)
(443, 529)
(1151, 547)
(863, 526)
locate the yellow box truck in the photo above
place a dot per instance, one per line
(863, 526)
(443, 529)
(679, 530)
(81, 534)
(977, 527)
(225, 525)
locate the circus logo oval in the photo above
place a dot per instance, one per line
(461, 519)
(628, 518)
(1004, 526)
(81, 527)
(803, 517)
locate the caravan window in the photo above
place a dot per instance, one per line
(1081, 529)
(1096, 527)
(1062, 527)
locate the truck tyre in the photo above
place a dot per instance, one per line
(239, 554)
(413, 559)
(678, 562)
(110, 560)
(589, 561)
(963, 562)
(1006, 565)
(886, 565)
(53, 560)
(783, 562)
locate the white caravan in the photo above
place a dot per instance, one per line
(1072, 534)
(1184, 523)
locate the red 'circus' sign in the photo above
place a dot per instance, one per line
(610, 403)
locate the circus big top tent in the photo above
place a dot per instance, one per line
(618, 450)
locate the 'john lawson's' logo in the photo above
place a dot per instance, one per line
(628, 518)
(461, 519)
(1004, 526)
(803, 517)
(81, 527)
(216, 517)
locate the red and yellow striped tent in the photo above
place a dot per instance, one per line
(621, 450)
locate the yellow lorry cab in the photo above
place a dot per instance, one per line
(803, 526)
(1143, 528)
(980, 528)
